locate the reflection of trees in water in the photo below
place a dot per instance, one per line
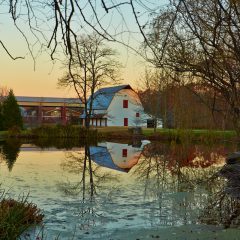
(92, 180)
(223, 207)
(59, 143)
(178, 177)
(179, 167)
(9, 151)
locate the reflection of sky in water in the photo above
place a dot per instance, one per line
(149, 196)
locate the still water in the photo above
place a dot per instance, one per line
(137, 190)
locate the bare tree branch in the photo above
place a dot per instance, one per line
(8, 53)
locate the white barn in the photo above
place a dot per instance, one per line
(117, 106)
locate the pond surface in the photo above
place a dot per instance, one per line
(137, 190)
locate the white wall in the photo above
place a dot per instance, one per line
(116, 113)
(97, 111)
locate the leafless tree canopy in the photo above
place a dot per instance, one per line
(200, 41)
(92, 65)
(58, 22)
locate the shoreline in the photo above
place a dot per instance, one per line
(121, 133)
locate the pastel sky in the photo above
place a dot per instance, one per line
(20, 75)
(25, 81)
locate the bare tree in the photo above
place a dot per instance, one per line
(57, 23)
(154, 83)
(4, 91)
(93, 65)
(203, 46)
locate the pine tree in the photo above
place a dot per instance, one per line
(11, 112)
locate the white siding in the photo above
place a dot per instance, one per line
(97, 111)
(116, 113)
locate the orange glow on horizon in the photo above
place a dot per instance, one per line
(20, 75)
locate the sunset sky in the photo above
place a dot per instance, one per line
(25, 81)
(20, 75)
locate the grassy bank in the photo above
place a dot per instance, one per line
(60, 131)
(203, 135)
(53, 131)
(3, 135)
(16, 216)
(191, 134)
(118, 133)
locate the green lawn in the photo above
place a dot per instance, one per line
(112, 129)
(196, 132)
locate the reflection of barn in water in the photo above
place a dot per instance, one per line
(117, 156)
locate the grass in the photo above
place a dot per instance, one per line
(171, 134)
(16, 216)
(150, 131)
(112, 129)
(180, 135)
(3, 134)
(102, 133)
(113, 133)
(50, 131)
(203, 135)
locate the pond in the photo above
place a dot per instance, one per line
(137, 190)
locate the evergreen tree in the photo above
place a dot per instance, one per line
(11, 112)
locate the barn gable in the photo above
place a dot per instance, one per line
(103, 97)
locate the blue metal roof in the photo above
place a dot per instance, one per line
(47, 99)
(103, 97)
(102, 157)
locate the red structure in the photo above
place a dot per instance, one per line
(64, 114)
(40, 110)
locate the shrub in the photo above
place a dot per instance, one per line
(14, 131)
(60, 131)
(16, 217)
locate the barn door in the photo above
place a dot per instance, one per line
(125, 121)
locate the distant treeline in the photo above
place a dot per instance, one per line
(190, 106)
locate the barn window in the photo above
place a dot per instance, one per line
(137, 114)
(125, 103)
(124, 152)
(125, 122)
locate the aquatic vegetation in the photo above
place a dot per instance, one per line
(16, 216)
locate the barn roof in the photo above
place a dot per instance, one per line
(103, 97)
